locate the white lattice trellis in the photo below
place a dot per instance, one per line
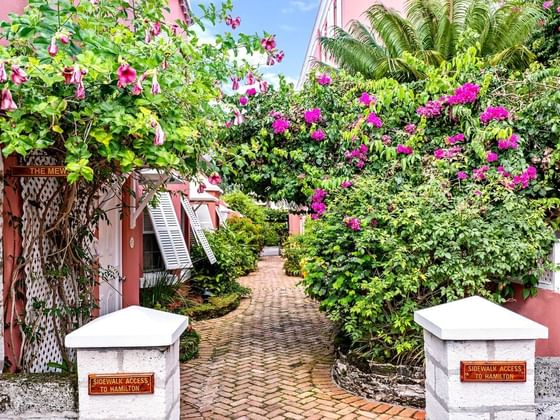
(551, 279)
(43, 348)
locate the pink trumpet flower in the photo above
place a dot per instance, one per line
(7, 102)
(215, 179)
(65, 39)
(3, 73)
(250, 78)
(156, 88)
(53, 48)
(268, 43)
(18, 75)
(80, 91)
(239, 118)
(126, 75)
(263, 86)
(159, 137)
(234, 83)
(156, 28)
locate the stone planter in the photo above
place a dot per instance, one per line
(401, 385)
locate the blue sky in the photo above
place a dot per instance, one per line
(290, 20)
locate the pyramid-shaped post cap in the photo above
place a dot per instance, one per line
(476, 318)
(134, 326)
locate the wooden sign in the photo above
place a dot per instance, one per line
(120, 383)
(494, 371)
(40, 171)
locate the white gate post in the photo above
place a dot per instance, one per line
(480, 360)
(128, 365)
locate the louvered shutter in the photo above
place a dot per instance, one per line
(221, 215)
(198, 231)
(203, 215)
(169, 235)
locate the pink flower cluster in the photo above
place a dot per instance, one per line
(410, 129)
(366, 99)
(404, 150)
(312, 116)
(274, 55)
(324, 79)
(525, 177)
(280, 126)
(358, 156)
(18, 77)
(353, 223)
(233, 22)
(373, 119)
(491, 157)
(318, 205)
(432, 109)
(466, 94)
(447, 153)
(318, 135)
(479, 174)
(457, 138)
(510, 143)
(346, 184)
(497, 113)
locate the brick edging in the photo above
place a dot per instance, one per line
(322, 379)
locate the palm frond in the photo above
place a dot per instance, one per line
(424, 15)
(517, 57)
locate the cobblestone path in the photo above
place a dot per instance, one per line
(271, 359)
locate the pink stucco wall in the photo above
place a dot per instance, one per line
(354, 9)
(11, 6)
(544, 309)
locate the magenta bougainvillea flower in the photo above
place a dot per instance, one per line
(280, 126)
(215, 178)
(479, 174)
(547, 4)
(522, 180)
(324, 79)
(243, 100)
(268, 43)
(317, 203)
(462, 175)
(404, 150)
(440, 153)
(503, 172)
(251, 92)
(386, 139)
(18, 75)
(511, 143)
(358, 156)
(410, 129)
(53, 48)
(466, 94)
(432, 109)
(457, 138)
(491, 157)
(373, 119)
(353, 223)
(126, 75)
(346, 184)
(312, 115)
(497, 113)
(6, 101)
(366, 99)
(318, 135)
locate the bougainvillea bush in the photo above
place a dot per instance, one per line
(385, 249)
(421, 193)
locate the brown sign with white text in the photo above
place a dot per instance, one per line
(494, 371)
(120, 383)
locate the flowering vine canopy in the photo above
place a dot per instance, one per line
(109, 84)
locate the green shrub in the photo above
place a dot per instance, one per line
(188, 345)
(250, 237)
(293, 252)
(217, 306)
(276, 228)
(387, 247)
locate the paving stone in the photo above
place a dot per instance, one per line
(271, 358)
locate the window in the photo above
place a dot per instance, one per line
(153, 261)
(203, 214)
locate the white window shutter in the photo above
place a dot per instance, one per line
(197, 229)
(169, 235)
(221, 216)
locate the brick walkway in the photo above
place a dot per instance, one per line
(270, 359)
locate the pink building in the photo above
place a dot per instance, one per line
(333, 13)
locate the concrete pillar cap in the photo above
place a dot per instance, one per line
(476, 318)
(134, 326)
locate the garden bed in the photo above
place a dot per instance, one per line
(401, 385)
(216, 307)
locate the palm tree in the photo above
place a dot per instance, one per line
(433, 31)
